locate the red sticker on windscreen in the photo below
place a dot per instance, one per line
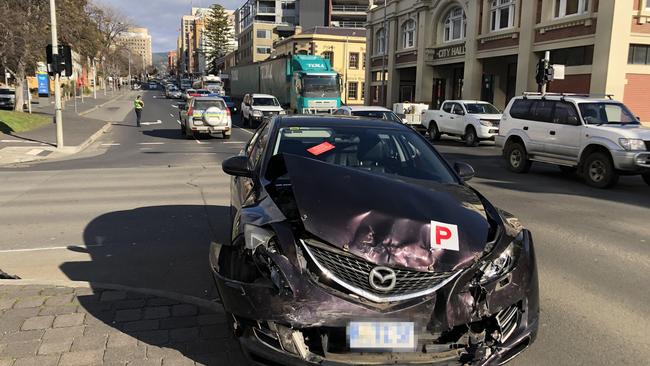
(321, 148)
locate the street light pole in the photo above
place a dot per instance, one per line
(58, 117)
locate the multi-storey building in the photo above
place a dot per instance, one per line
(138, 41)
(430, 50)
(344, 47)
(259, 23)
(172, 62)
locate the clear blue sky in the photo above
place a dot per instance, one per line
(162, 17)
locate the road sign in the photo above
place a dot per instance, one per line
(43, 84)
(558, 72)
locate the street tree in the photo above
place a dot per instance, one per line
(218, 36)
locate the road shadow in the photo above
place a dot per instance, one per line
(544, 178)
(159, 248)
(165, 133)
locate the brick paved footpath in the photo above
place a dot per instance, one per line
(50, 325)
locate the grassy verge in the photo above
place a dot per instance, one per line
(11, 121)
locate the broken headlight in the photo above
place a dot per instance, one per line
(502, 264)
(256, 236)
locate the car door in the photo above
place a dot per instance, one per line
(443, 119)
(243, 187)
(457, 119)
(565, 132)
(538, 125)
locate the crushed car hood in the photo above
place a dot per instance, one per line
(387, 219)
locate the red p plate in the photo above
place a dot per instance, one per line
(321, 148)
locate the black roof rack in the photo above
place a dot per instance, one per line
(563, 95)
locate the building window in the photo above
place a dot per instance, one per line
(455, 25)
(565, 8)
(263, 34)
(363, 62)
(408, 34)
(502, 14)
(264, 50)
(329, 55)
(363, 90)
(573, 56)
(380, 42)
(639, 54)
(352, 90)
(354, 61)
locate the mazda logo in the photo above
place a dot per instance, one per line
(382, 279)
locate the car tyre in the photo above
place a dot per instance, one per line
(568, 170)
(470, 137)
(598, 170)
(434, 132)
(517, 158)
(646, 178)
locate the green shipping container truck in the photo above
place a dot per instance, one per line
(303, 84)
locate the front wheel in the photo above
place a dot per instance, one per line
(646, 178)
(517, 158)
(434, 132)
(471, 138)
(599, 171)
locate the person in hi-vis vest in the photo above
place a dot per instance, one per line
(138, 104)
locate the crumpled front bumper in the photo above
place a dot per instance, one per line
(310, 308)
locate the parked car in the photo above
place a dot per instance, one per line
(257, 107)
(598, 138)
(187, 93)
(324, 267)
(472, 120)
(369, 112)
(205, 115)
(7, 98)
(230, 104)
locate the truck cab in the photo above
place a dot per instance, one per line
(472, 120)
(316, 88)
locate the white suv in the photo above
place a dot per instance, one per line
(599, 138)
(473, 120)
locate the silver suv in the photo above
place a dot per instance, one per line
(7, 98)
(597, 137)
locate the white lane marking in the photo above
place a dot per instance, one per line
(146, 148)
(151, 143)
(23, 142)
(171, 115)
(174, 106)
(152, 123)
(197, 140)
(111, 144)
(49, 248)
(245, 130)
(34, 152)
(234, 142)
(179, 122)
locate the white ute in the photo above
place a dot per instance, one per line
(472, 120)
(599, 138)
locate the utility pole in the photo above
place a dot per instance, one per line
(94, 79)
(547, 59)
(58, 117)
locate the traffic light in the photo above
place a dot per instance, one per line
(545, 72)
(62, 64)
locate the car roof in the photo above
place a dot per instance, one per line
(334, 121)
(262, 96)
(467, 101)
(569, 98)
(356, 108)
(207, 98)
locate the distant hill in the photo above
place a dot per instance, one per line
(159, 60)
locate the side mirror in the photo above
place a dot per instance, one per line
(237, 166)
(464, 170)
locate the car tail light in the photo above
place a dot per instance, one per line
(228, 112)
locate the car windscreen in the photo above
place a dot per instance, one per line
(202, 105)
(265, 102)
(379, 150)
(481, 108)
(226, 99)
(597, 113)
(387, 115)
(7, 92)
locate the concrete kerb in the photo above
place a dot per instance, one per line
(75, 149)
(189, 299)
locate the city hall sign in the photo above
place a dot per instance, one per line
(449, 52)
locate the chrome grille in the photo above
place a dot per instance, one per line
(507, 320)
(354, 273)
(269, 114)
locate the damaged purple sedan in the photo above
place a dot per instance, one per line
(355, 243)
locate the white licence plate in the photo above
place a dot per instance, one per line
(381, 335)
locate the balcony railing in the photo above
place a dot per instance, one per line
(266, 10)
(350, 8)
(349, 24)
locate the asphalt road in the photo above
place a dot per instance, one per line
(140, 206)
